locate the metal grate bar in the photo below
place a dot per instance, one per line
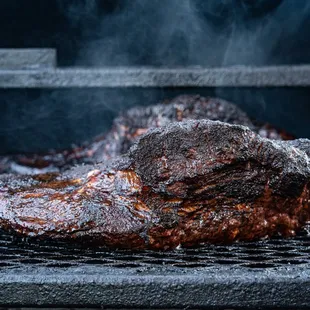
(268, 273)
(122, 289)
(31, 58)
(276, 76)
(36, 68)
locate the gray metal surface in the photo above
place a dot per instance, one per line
(273, 76)
(32, 58)
(224, 287)
(268, 273)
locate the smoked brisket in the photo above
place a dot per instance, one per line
(182, 184)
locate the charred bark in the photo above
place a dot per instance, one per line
(181, 184)
(130, 125)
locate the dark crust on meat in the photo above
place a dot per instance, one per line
(129, 126)
(301, 144)
(183, 184)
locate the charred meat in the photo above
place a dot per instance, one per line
(182, 184)
(130, 125)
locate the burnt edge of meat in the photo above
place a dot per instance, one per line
(129, 126)
(183, 184)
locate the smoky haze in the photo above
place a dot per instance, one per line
(148, 33)
(165, 33)
(190, 32)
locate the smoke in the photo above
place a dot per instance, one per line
(203, 33)
(275, 36)
(259, 40)
(168, 33)
(145, 32)
(186, 32)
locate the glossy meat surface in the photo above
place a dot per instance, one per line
(182, 184)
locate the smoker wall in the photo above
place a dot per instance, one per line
(198, 32)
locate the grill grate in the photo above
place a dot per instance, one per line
(16, 252)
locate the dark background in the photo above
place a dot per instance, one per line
(147, 32)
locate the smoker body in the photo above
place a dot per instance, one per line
(266, 274)
(211, 34)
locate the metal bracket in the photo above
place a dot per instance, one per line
(35, 68)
